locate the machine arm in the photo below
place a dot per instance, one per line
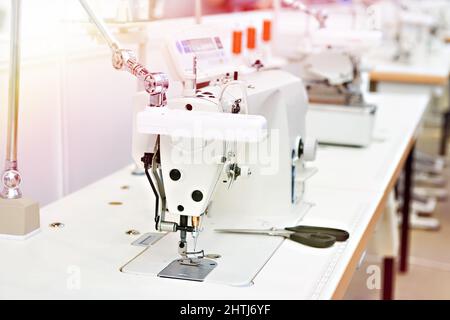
(156, 83)
(320, 15)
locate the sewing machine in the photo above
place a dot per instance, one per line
(218, 121)
(211, 156)
(411, 30)
(328, 61)
(331, 70)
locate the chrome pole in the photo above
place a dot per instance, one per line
(101, 27)
(11, 177)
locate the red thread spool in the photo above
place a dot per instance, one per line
(237, 42)
(251, 38)
(267, 30)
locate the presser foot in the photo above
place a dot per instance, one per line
(192, 269)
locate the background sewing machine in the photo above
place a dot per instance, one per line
(411, 30)
(329, 64)
(213, 191)
(331, 70)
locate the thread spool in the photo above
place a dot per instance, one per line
(267, 30)
(237, 42)
(251, 38)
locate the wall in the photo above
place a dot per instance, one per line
(75, 109)
(75, 124)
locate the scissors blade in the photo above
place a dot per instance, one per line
(268, 232)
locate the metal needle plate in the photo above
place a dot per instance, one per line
(176, 270)
(148, 239)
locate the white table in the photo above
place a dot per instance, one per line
(425, 72)
(82, 260)
(383, 160)
(424, 68)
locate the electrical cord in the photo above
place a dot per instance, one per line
(147, 159)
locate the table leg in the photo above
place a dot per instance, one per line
(445, 127)
(388, 278)
(404, 237)
(445, 134)
(373, 86)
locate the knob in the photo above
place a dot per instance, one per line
(310, 149)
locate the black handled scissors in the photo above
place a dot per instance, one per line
(317, 237)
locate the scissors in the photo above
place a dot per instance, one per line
(317, 237)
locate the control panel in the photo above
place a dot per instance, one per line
(212, 58)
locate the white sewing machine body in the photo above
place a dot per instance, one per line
(272, 166)
(338, 112)
(409, 27)
(342, 125)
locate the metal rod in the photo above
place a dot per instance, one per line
(14, 83)
(109, 38)
(182, 245)
(11, 178)
(298, 5)
(156, 83)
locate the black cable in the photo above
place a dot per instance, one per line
(147, 173)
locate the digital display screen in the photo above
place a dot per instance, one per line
(210, 55)
(198, 45)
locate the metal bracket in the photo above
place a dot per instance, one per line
(198, 272)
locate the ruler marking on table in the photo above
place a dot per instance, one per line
(340, 250)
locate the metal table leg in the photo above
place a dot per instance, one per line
(445, 131)
(388, 278)
(445, 134)
(404, 237)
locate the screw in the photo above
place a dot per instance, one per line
(115, 203)
(56, 225)
(132, 232)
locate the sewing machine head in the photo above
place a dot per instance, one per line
(195, 150)
(198, 137)
(214, 65)
(204, 138)
(409, 27)
(332, 72)
(331, 68)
